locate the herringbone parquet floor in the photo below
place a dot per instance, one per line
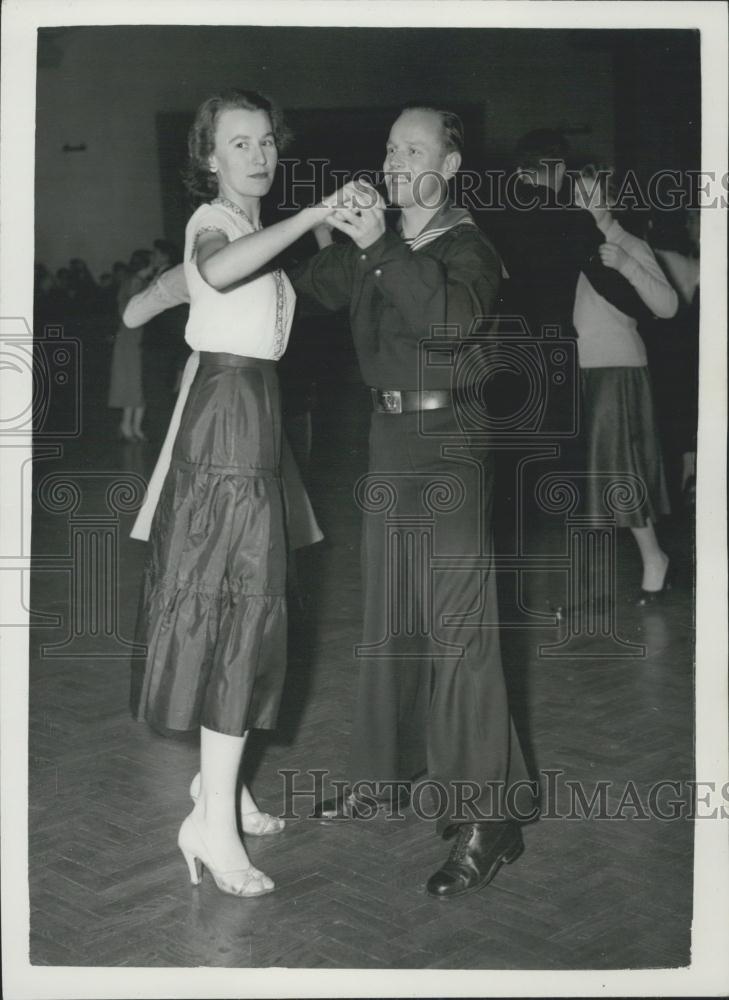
(109, 887)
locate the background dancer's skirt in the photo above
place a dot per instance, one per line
(621, 439)
(213, 608)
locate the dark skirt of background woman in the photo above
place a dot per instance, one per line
(621, 440)
(213, 607)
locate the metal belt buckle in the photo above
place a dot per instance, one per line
(391, 400)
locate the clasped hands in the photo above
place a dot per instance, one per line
(358, 211)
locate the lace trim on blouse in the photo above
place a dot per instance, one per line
(279, 333)
(198, 234)
(236, 210)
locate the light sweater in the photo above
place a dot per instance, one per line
(606, 337)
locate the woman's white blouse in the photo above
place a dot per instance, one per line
(252, 318)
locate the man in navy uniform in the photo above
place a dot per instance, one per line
(431, 697)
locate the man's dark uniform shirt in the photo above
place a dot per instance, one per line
(396, 294)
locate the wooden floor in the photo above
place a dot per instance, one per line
(109, 886)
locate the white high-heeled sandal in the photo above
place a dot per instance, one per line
(255, 824)
(247, 883)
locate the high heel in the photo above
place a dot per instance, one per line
(264, 826)
(194, 864)
(648, 597)
(250, 882)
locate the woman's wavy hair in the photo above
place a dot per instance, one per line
(197, 176)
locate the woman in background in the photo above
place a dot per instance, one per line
(617, 403)
(125, 389)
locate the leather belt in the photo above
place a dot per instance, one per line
(218, 358)
(410, 400)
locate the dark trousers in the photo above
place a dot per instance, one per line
(431, 694)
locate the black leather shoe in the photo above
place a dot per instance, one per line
(478, 852)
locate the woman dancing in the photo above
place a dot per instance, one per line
(213, 612)
(619, 420)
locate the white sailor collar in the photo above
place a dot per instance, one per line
(447, 217)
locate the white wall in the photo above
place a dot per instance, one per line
(102, 203)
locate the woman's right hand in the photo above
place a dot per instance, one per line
(317, 216)
(355, 195)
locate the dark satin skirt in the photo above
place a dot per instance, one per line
(621, 438)
(213, 607)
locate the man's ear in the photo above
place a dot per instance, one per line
(525, 175)
(451, 164)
